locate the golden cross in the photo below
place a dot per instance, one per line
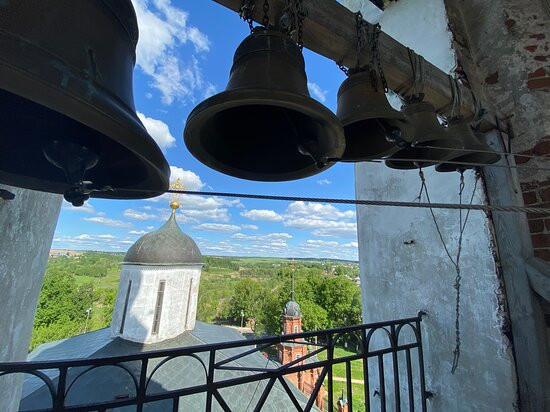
(177, 185)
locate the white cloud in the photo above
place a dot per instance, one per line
(159, 131)
(250, 227)
(137, 232)
(150, 227)
(322, 243)
(321, 219)
(134, 214)
(317, 211)
(217, 227)
(322, 228)
(317, 91)
(209, 90)
(323, 182)
(107, 222)
(163, 28)
(189, 179)
(86, 236)
(262, 214)
(262, 238)
(86, 207)
(219, 215)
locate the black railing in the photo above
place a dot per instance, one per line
(386, 355)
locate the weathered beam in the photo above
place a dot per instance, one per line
(330, 30)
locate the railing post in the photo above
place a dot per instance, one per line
(210, 380)
(330, 356)
(421, 364)
(366, 385)
(142, 387)
(59, 402)
(395, 370)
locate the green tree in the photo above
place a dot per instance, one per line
(246, 298)
(314, 317)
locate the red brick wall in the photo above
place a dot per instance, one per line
(538, 194)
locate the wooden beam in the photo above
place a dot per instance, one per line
(330, 30)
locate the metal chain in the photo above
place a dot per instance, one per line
(265, 20)
(301, 14)
(245, 12)
(376, 55)
(291, 21)
(361, 31)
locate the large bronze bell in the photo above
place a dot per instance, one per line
(265, 126)
(428, 144)
(371, 125)
(67, 118)
(476, 152)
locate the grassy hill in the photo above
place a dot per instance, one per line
(257, 285)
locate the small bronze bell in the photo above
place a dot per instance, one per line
(371, 125)
(265, 126)
(427, 132)
(67, 116)
(476, 151)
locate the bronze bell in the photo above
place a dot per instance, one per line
(67, 116)
(371, 125)
(427, 132)
(477, 152)
(265, 126)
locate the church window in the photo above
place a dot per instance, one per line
(297, 356)
(158, 307)
(188, 302)
(295, 328)
(125, 307)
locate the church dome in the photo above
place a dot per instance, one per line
(165, 246)
(292, 309)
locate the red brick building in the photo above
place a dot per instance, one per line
(289, 351)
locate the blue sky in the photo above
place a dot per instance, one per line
(184, 55)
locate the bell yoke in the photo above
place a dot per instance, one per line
(68, 123)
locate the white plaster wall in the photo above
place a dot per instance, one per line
(143, 297)
(27, 225)
(399, 279)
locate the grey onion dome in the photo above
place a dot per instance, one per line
(292, 309)
(165, 246)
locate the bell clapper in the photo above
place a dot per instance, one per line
(75, 160)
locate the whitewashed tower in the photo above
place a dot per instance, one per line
(159, 285)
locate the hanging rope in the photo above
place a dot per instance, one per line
(416, 91)
(454, 261)
(455, 102)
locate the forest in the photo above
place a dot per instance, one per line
(79, 292)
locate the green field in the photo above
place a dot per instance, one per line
(257, 286)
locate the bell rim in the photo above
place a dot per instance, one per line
(247, 96)
(97, 114)
(469, 157)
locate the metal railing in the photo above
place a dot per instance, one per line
(387, 355)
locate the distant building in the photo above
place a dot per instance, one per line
(65, 253)
(156, 309)
(291, 351)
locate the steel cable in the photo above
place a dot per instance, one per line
(364, 202)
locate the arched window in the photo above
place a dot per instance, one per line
(295, 328)
(297, 356)
(158, 307)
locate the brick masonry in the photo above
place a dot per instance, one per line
(504, 47)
